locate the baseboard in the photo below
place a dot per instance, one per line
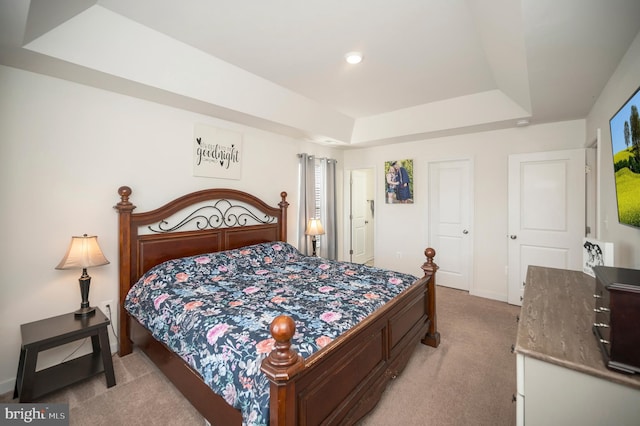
(7, 386)
(489, 295)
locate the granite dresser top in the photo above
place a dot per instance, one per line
(556, 320)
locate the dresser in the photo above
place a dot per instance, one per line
(561, 376)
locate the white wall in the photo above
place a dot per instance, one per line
(64, 151)
(403, 228)
(622, 84)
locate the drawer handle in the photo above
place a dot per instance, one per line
(600, 325)
(601, 310)
(597, 296)
(606, 342)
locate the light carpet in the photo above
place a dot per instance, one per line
(468, 380)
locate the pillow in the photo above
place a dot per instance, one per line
(270, 252)
(241, 260)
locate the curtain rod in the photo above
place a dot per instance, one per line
(319, 158)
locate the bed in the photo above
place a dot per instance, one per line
(327, 363)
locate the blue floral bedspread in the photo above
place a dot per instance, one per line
(214, 310)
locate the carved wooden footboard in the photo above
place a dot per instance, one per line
(345, 380)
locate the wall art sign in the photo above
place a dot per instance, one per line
(217, 152)
(398, 181)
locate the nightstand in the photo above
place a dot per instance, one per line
(51, 332)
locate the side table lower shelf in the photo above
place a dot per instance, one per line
(67, 373)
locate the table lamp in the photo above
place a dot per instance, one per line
(314, 228)
(84, 252)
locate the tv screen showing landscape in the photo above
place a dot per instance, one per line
(625, 144)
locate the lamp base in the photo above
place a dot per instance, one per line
(85, 312)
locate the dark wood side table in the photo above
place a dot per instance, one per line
(51, 332)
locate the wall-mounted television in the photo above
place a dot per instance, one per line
(625, 144)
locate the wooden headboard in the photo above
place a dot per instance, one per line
(205, 221)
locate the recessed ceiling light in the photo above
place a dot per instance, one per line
(353, 57)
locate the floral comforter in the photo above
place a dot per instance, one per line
(214, 310)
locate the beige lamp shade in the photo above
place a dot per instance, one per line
(314, 227)
(83, 252)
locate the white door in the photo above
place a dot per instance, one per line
(591, 196)
(546, 214)
(362, 208)
(450, 221)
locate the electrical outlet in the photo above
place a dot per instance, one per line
(107, 311)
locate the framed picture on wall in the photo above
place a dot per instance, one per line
(595, 253)
(398, 181)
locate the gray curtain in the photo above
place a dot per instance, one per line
(328, 214)
(328, 245)
(306, 208)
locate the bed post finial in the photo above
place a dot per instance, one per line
(124, 192)
(429, 267)
(282, 329)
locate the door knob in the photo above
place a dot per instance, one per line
(513, 237)
(465, 232)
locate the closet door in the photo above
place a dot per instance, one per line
(450, 211)
(546, 214)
